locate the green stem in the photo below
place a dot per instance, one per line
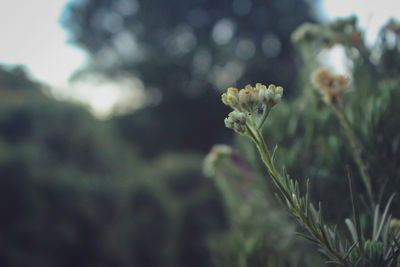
(266, 158)
(285, 191)
(265, 115)
(357, 151)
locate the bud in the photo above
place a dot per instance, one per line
(244, 98)
(271, 96)
(249, 99)
(277, 98)
(236, 121)
(279, 90)
(231, 98)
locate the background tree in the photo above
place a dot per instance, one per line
(73, 194)
(184, 50)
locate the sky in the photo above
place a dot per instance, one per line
(24, 24)
(372, 14)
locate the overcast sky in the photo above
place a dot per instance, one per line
(31, 35)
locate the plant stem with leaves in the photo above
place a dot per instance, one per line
(357, 150)
(298, 205)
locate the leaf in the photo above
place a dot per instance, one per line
(350, 250)
(352, 229)
(383, 219)
(273, 154)
(356, 213)
(309, 238)
(307, 194)
(334, 262)
(375, 224)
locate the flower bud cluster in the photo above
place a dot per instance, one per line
(269, 96)
(247, 99)
(246, 102)
(236, 121)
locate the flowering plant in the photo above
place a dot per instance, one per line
(373, 239)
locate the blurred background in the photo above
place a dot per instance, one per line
(108, 107)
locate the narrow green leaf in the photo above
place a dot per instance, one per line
(309, 238)
(307, 204)
(334, 262)
(352, 229)
(273, 154)
(350, 250)
(356, 213)
(383, 218)
(375, 224)
(320, 220)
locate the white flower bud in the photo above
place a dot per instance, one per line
(236, 121)
(230, 98)
(269, 94)
(228, 122)
(259, 86)
(224, 99)
(238, 117)
(277, 98)
(272, 87)
(261, 95)
(279, 90)
(249, 99)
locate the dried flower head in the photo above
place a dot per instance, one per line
(217, 153)
(330, 86)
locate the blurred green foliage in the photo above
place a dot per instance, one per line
(261, 232)
(72, 193)
(308, 133)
